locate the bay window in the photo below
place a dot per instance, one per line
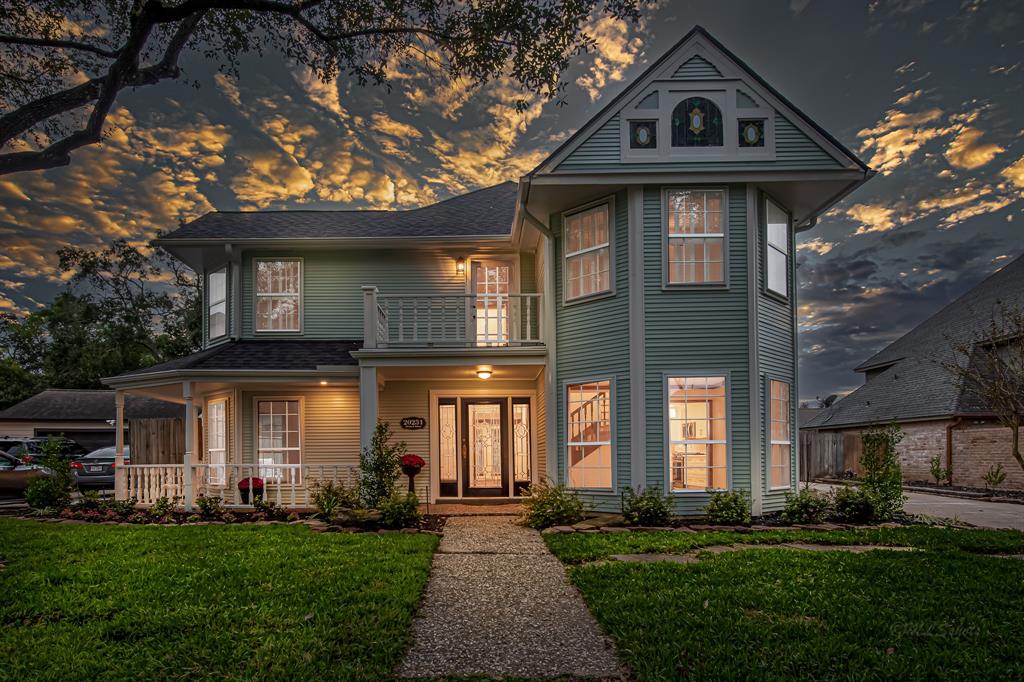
(780, 437)
(278, 295)
(589, 442)
(587, 268)
(776, 254)
(697, 433)
(695, 240)
(217, 304)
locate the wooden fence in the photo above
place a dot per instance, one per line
(156, 441)
(821, 454)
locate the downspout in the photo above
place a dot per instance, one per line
(949, 446)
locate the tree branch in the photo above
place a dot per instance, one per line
(56, 42)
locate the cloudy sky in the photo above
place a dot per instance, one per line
(925, 90)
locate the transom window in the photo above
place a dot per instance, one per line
(781, 438)
(217, 306)
(278, 439)
(698, 433)
(697, 122)
(217, 440)
(696, 237)
(587, 253)
(278, 295)
(776, 249)
(589, 442)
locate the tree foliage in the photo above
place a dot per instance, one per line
(63, 62)
(988, 365)
(123, 308)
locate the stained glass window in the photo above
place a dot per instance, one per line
(696, 122)
(643, 134)
(751, 132)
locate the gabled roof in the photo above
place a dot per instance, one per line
(485, 212)
(686, 66)
(60, 405)
(913, 384)
(286, 355)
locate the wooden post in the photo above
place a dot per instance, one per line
(120, 473)
(369, 317)
(190, 439)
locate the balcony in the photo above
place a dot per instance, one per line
(451, 321)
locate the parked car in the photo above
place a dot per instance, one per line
(15, 475)
(96, 470)
(29, 449)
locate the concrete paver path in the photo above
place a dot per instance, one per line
(498, 603)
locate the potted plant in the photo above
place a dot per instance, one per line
(411, 465)
(253, 483)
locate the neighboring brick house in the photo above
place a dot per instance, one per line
(905, 382)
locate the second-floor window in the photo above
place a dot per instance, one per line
(776, 249)
(696, 236)
(278, 295)
(217, 303)
(587, 253)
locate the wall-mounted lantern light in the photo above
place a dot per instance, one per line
(460, 266)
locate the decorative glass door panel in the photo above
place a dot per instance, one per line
(485, 446)
(448, 447)
(492, 286)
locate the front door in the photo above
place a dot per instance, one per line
(484, 452)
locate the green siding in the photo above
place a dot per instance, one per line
(697, 331)
(696, 68)
(593, 343)
(793, 151)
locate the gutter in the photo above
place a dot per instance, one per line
(535, 222)
(811, 219)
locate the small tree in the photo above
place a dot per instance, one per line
(52, 490)
(989, 368)
(379, 466)
(880, 469)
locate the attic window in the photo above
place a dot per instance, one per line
(643, 134)
(649, 102)
(696, 122)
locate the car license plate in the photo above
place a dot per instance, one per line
(95, 468)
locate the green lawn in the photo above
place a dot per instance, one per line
(942, 612)
(226, 602)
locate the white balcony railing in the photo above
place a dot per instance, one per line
(427, 320)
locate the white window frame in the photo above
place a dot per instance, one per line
(257, 295)
(769, 247)
(217, 473)
(256, 435)
(667, 402)
(788, 463)
(211, 304)
(609, 205)
(569, 443)
(667, 238)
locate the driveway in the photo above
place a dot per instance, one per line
(976, 512)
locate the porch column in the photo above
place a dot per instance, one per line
(190, 439)
(367, 405)
(120, 475)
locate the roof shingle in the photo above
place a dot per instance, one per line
(59, 404)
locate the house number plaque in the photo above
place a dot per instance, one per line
(413, 423)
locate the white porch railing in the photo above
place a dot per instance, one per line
(427, 320)
(288, 485)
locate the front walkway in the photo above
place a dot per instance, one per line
(498, 603)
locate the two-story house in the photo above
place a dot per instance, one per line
(623, 316)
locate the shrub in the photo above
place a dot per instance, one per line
(161, 508)
(806, 506)
(939, 472)
(329, 497)
(120, 507)
(379, 466)
(210, 507)
(268, 510)
(994, 477)
(400, 511)
(729, 507)
(853, 504)
(546, 505)
(882, 478)
(647, 508)
(53, 490)
(90, 500)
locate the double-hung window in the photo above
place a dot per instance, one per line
(589, 442)
(697, 433)
(217, 304)
(695, 236)
(278, 439)
(781, 439)
(278, 295)
(776, 249)
(587, 253)
(216, 439)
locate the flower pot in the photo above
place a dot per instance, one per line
(244, 492)
(411, 470)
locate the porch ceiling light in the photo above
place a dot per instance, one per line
(323, 382)
(484, 373)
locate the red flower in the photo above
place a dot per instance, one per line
(257, 483)
(413, 461)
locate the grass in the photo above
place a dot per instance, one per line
(944, 612)
(83, 602)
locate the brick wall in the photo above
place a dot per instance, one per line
(921, 442)
(976, 447)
